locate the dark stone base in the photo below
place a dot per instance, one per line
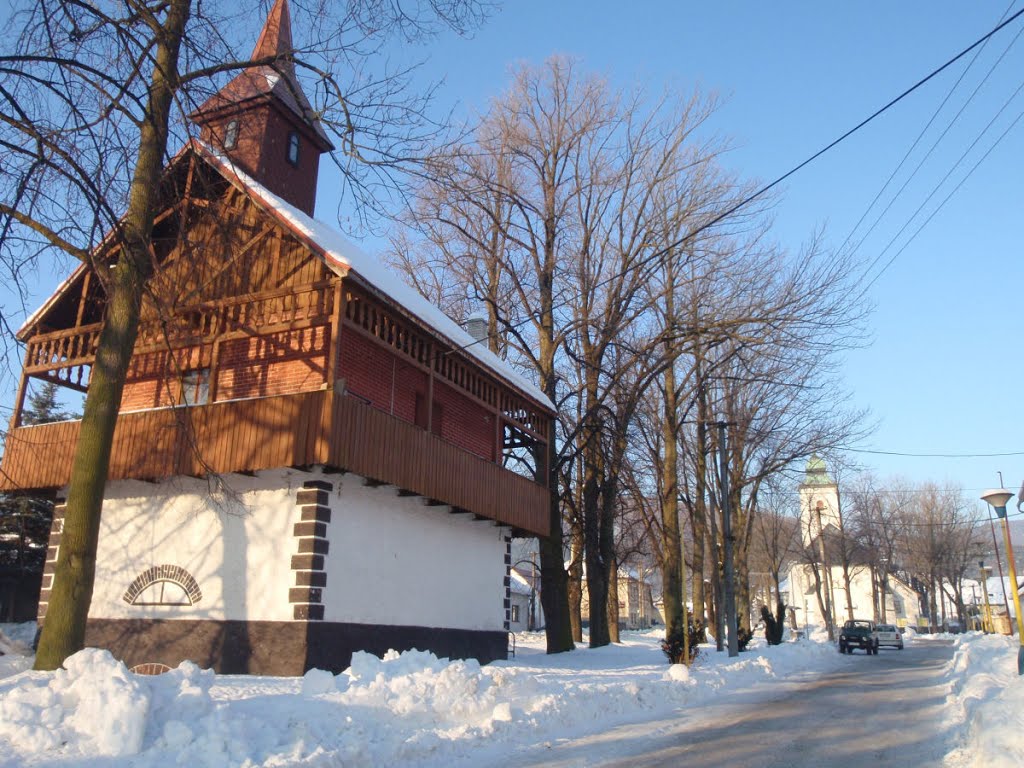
(19, 595)
(280, 647)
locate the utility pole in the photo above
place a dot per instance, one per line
(984, 573)
(730, 582)
(717, 563)
(999, 565)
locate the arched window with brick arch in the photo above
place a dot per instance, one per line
(163, 585)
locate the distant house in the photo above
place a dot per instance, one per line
(636, 601)
(526, 612)
(307, 452)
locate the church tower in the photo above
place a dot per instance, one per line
(264, 124)
(819, 501)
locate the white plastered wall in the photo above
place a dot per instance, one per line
(803, 596)
(394, 560)
(234, 536)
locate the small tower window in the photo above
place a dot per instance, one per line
(231, 135)
(293, 148)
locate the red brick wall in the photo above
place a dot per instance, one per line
(260, 366)
(295, 361)
(465, 423)
(275, 364)
(152, 380)
(369, 370)
(296, 184)
(261, 151)
(149, 393)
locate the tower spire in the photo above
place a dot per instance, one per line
(262, 121)
(276, 38)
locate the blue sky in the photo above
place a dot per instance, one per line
(944, 367)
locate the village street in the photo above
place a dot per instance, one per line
(874, 710)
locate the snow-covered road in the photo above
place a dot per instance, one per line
(884, 710)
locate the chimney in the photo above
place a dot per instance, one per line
(476, 326)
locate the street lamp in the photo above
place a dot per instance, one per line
(997, 499)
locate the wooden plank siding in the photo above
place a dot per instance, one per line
(304, 429)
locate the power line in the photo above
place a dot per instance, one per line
(921, 135)
(766, 188)
(952, 192)
(931, 149)
(933, 455)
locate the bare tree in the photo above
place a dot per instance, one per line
(776, 531)
(507, 200)
(941, 538)
(877, 519)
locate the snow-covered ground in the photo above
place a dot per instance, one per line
(413, 709)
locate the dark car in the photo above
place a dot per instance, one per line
(858, 633)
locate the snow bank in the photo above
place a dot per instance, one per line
(988, 696)
(413, 708)
(405, 708)
(94, 705)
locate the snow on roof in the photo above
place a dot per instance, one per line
(343, 256)
(518, 583)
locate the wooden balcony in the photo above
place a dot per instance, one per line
(298, 430)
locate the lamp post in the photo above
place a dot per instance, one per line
(984, 573)
(997, 499)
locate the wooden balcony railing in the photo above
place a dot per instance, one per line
(66, 356)
(300, 430)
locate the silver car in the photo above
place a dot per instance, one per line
(889, 636)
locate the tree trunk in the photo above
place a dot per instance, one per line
(576, 579)
(829, 619)
(819, 592)
(671, 543)
(698, 504)
(613, 603)
(609, 497)
(597, 573)
(554, 588)
(874, 596)
(849, 593)
(64, 626)
(741, 576)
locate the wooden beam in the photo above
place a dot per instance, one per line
(86, 282)
(334, 349)
(19, 398)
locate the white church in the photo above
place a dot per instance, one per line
(820, 524)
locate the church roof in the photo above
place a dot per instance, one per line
(270, 81)
(344, 257)
(816, 472)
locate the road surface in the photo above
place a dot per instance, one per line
(883, 710)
